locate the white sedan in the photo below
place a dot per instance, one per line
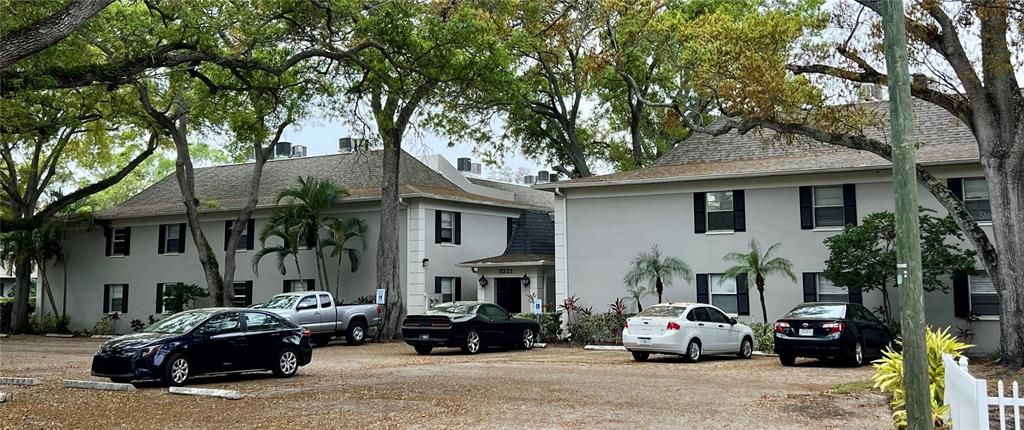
(688, 329)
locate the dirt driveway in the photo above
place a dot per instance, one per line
(389, 386)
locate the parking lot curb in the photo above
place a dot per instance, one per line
(766, 354)
(209, 392)
(96, 385)
(102, 336)
(604, 348)
(7, 380)
(3, 335)
(4, 397)
(61, 335)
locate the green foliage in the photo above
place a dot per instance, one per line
(864, 255)
(105, 326)
(182, 296)
(49, 324)
(550, 324)
(656, 271)
(888, 376)
(764, 336)
(365, 300)
(757, 266)
(598, 329)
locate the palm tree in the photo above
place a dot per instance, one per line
(314, 197)
(758, 266)
(651, 267)
(284, 224)
(345, 237)
(637, 293)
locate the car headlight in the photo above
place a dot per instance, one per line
(149, 351)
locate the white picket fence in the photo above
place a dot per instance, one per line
(969, 402)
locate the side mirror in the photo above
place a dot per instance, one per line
(732, 321)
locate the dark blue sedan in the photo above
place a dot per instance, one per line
(205, 341)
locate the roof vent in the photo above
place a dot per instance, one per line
(543, 176)
(464, 164)
(299, 151)
(351, 144)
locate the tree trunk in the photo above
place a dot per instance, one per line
(635, 136)
(659, 287)
(887, 306)
(22, 289)
(387, 244)
(759, 281)
(46, 288)
(639, 307)
(1006, 196)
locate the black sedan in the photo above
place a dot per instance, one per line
(471, 326)
(205, 341)
(846, 331)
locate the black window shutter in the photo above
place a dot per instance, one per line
(310, 284)
(458, 289)
(956, 186)
(742, 295)
(961, 296)
(108, 235)
(124, 299)
(699, 212)
(106, 298)
(739, 211)
(181, 238)
(457, 227)
(127, 241)
(810, 287)
(227, 233)
(702, 288)
(159, 298)
(437, 226)
(248, 293)
(161, 246)
(856, 296)
(850, 204)
(250, 237)
(437, 285)
(806, 208)
(286, 286)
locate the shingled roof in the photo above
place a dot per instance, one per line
(226, 187)
(533, 243)
(943, 139)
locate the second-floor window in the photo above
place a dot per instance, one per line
(119, 241)
(172, 239)
(720, 211)
(828, 207)
(246, 240)
(976, 199)
(447, 228)
(984, 299)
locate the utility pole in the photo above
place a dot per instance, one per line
(908, 232)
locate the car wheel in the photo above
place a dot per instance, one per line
(746, 348)
(177, 370)
(528, 339)
(356, 333)
(857, 358)
(787, 360)
(423, 349)
(321, 340)
(693, 351)
(472, 342)
(641, 356)
(287, 363)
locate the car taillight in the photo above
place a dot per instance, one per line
(672, 325)
(378, 310)
(780, 327)
(625, 324)
(834, 327)
(305, 332)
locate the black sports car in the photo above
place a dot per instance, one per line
(215, 340)
(847, 331)
(471, 326)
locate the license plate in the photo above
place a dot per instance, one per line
(807, 332)
(644, 341)
(424, 336)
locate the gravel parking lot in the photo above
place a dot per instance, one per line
(389, 386)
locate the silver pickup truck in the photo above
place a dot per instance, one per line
(318, 312)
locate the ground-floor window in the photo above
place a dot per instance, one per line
(243, 294)
(165, 292)
(723, 294)
(294, 285)
(115, 298)
(828, 292)
(445, 286)
(984, 300)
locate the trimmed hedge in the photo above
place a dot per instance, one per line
(598, 329)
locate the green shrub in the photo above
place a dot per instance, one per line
(105, 326)
(183, 296)
(49, 324)
(550, 324)
(598, 329)
(889, 376)
(764, 336)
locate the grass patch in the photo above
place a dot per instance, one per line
(855, 387)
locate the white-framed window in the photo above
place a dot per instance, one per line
(166, 290)
(120, 241)
(828, 207)
(243, 294)
(116, 297)
(984, 299)
(446, 288)
(976, 199)
(828, 292)
(447, 227)
(720, 211)
(723, 293)
(173, 239)
(295, 285)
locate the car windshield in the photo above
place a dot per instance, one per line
(178, 323)
(818, 311)
(280, 302)
(663, 311)
(453, 308)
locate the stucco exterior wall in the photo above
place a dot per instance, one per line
(606, 227)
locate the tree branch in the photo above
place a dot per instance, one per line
(42, 34)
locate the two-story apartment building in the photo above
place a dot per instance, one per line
(139, 248)
(712, 195)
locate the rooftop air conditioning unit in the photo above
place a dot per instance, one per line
(282, 150)
(463, 164)
(543, 176)
(529, 179)
(350, 144)
(553, 177)
(475, 168)
(299, 151)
